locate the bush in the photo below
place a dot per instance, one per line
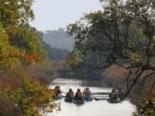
(20, 95)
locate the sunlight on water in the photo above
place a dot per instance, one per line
(94, 108)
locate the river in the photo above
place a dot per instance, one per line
(94, 108)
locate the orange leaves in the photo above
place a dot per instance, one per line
(30, 58)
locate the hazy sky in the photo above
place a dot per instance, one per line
(52, 14)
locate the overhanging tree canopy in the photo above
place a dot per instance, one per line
(123, 33)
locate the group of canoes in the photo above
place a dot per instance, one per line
(78, 98)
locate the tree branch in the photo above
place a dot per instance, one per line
(133, 84)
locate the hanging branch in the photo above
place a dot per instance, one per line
(133, 84)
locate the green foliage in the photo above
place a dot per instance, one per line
(9, 63)
(4, 43)
(19, 43)
(29, 40)
(121, 34)
(135, 59)
(118, 32)
(74, 59)
(20, 95)
(147, 109)
(55, 54)
(15, 12)
(5, 50)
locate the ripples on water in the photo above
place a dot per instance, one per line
(94, 108)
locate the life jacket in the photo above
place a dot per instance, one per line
(87, 93)
(57, 91)
(78, 94)
(70, 94)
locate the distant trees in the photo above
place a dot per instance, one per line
(123, 33)
(57, 44)
(58, 39)
(55, 54)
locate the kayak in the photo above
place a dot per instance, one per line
(78, 100)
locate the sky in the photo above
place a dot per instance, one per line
(53, 14)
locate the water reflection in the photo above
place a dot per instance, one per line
(94, 108)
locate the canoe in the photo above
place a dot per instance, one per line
(78, 101)
(88, 98)
(59, 97)
(68, 100)
(114, 100)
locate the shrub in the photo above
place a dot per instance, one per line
(20, 95)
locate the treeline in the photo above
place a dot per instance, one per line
(55, 54)
(58, 39)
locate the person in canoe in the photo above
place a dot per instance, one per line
(120, 93)
(113, 95)
(57, 92)
(79, 97)
(69, 96)
(87, 94)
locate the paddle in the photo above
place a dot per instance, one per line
(97, 99)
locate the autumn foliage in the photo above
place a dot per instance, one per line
(20, 45)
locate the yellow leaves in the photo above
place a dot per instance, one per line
(10, 55)
(18, 42)
(39, 95)
(12, 30)
(9, 63)
(136, 58)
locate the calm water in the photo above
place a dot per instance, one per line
(94, 108)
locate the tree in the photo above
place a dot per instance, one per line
(20, 94)
(123, 33)
(15, 12)
(23, 41)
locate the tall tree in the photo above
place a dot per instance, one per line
(15, 12)
(20, 44)
(123, 33)
(24, 41)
